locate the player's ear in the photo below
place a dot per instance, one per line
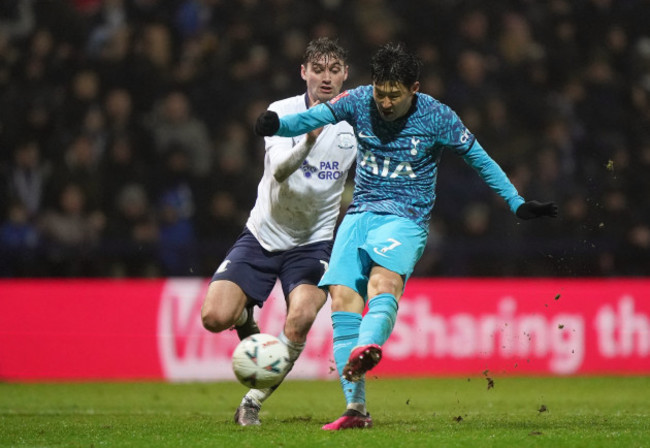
(345, 72)
(303, 72)
(415, 87)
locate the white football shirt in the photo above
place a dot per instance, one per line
(304, 208)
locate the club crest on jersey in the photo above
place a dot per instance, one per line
(415, 142)
(383, 168)
(345, 140)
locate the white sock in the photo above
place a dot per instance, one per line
(359, 407)
(295, 349)
(257, 395)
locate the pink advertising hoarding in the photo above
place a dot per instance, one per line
(151, 329)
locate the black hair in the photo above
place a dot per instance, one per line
(324, 46)
(394, 64)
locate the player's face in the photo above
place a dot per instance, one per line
(393, 100)
(324, 78)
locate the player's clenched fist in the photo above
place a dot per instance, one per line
(535, 209)
(267, 124)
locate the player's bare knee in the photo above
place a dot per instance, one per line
(223, 304)
(208, 320)
(381, 284)
(212, 320)
(345, 299)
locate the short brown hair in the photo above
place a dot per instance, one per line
(324, 46)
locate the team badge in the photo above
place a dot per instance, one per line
(345, 140)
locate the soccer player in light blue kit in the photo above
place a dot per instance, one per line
(401, 135)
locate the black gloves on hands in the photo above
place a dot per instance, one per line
(267, 124)
(535, 209)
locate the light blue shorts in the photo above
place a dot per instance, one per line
(366, 239)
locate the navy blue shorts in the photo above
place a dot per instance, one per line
(255, 270)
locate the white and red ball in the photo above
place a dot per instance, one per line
(260, 361)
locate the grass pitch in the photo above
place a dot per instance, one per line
(440, 412)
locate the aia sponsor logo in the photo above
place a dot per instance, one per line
(384, 167)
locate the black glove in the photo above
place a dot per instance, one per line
(267, 124)
(535, 209)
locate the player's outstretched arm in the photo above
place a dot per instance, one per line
(292, 125)
(536, 209)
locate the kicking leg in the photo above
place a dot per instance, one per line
(347, 306)
(384, 288)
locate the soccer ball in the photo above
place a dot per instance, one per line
(260, 361)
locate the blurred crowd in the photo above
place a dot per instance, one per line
(126, 143)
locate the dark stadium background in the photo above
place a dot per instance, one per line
(126, 143)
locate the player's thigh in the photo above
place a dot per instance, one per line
(224, 302)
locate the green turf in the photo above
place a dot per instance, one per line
(438, 412)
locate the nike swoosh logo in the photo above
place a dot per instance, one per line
(379, 253)
(223, 267)
(362, 135)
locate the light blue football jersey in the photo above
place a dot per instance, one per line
(397, 161)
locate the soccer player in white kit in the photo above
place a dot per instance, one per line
(290, 231)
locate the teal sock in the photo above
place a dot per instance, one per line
(346, 332)
(378, 323)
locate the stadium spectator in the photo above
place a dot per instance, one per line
(175, 202)
(19, 243)
(131, 235)
(174, 124)
(84, 96)
(222, 220)
(27, 178)
(122, 123)
(72, 235)
(79, 165)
